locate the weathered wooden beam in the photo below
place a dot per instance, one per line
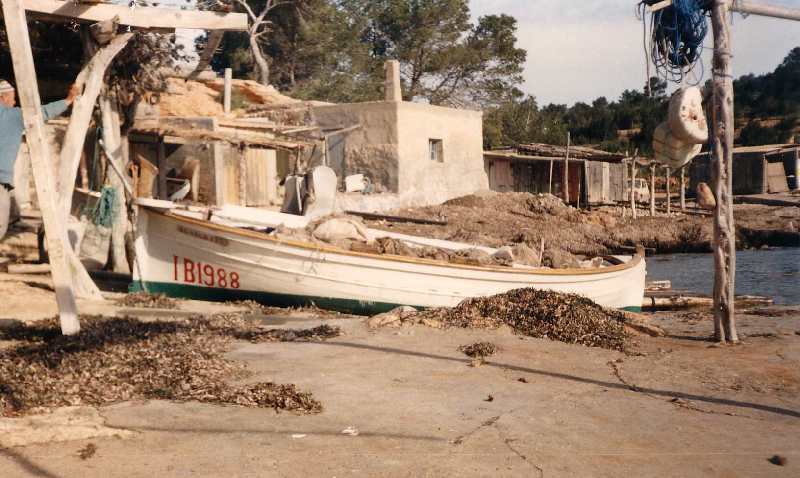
(140, 17)
(91, 80)
(766, 10)
(226, 103)
(566, 171)
(212, 44)
(28, 90)
(109, 113)
(722, 172)
(633, 188)
(749, 8)
(652, 190)
(234, 137)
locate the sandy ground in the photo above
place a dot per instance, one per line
(677, 406)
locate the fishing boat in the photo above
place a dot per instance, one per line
(187, 254)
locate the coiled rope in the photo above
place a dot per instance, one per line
(677, 34)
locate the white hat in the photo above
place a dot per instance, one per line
(5, 86)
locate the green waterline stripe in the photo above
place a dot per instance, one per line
(348, 306)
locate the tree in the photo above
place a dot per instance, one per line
(444, 58)
(258, 27)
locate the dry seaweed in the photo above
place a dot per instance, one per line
(88, 451)
(147, 301)
(113, 360)
(479, 349)
(567, 318)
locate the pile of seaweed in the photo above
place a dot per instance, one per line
(478, 349)
(147, 301)
(566, 318)
(114, 360)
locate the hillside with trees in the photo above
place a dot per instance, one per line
(334, 50)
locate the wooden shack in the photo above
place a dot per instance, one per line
(756, 169)
(594, 177)
(238, 162)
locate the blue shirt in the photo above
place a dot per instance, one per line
(11, 130)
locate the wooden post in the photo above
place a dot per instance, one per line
(109, 113)
(722, 169)
(669, 193)
(652, 189)
(633, 185)
(242, 176)
(56, 235)
(550, 182)
(219, 168)
(227, 90)
(683, 189)
(566, 171)
(161, 164)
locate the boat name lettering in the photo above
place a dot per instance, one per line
(194, 272)
(206, 237)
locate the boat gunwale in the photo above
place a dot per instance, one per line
(633, 263)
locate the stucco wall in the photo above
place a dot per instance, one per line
(462, 169)
(392, 148)
(371, 149)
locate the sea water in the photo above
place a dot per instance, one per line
(772, 273)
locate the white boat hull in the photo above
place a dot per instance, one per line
(192, 258)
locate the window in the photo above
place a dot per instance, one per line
(436, 149)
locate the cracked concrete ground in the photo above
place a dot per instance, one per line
(678, 406)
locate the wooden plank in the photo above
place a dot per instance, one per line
(219, 169)
(389, 218)
(776, 178)
(140, 17)
(257, 176)
(55, 229)
(226, 96)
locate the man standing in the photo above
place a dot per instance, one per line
(11, 130)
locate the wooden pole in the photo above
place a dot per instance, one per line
(669, 193)
(220, 198)
(161, 164)
(633, 186)
(683, 189)
(109, 113)
(765, 10)
(653, 190)
(227, 90)
(550, 183)
(55, 230)
(566, 171)
(722, 169)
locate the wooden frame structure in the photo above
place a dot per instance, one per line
(722, 131)
(69, 276)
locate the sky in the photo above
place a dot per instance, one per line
(578, 51)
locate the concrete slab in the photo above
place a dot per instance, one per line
(421, 410)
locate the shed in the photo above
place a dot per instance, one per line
(240, 161)
(595, 177)
(756, 169)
